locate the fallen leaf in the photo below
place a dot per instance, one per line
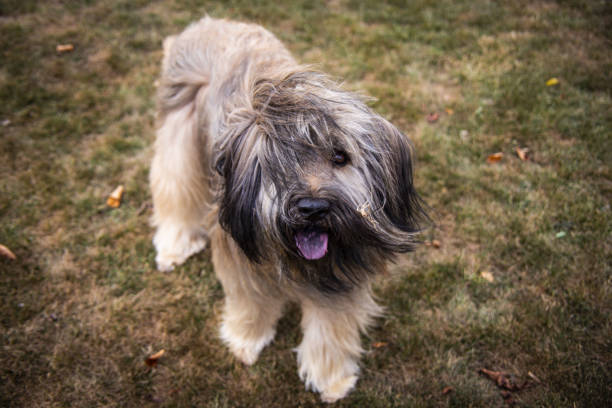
(114, 199)
(449, 111)
(151, 361)
(533, 377)
(433, 117)
(522, 153)
(552, 82)
(435, 243)
(495, 157)
(447, 390)
(64, 47)
(486, 275)
(4, 251)
(502, 380)
(379, 344)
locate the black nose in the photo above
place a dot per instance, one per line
(311, 207)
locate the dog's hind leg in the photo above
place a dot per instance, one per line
(328, 356)
(179, 188)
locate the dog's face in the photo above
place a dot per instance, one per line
(316, 180)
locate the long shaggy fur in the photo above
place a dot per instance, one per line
(245, 136)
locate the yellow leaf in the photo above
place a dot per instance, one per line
(495, 157)
(114, 199)
(552, 82)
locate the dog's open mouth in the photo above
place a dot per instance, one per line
(312, 243)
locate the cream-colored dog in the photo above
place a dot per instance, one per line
(303, 192)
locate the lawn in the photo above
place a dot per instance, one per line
(515, 273)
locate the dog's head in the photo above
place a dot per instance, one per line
(315, 179)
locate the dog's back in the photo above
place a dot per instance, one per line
(212, 56)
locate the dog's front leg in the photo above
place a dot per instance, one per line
(328, 356)
(251, 308)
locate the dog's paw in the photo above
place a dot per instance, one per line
(333, 378)
(174, 253)
(245, 349)
(339, 389)
(165, 263)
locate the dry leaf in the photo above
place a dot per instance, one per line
(449, 111)
(114, 199)
(379, 344)
(4, 251)
(488, 276)
(435, 243)
(64, 47)
(151, 361)
(433, 117)
(533, 377)
(501, 380)
(522, 153)
(552, 82)
(447, 390)
(495, 157)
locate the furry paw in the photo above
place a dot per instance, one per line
(165, 263)
(333, 378)
(338, 389)
(174, 249)
(245, 349)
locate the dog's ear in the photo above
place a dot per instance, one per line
(401, 205)
(241, 172)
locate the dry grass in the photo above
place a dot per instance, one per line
(521, 281)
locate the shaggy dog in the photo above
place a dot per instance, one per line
(302, 190)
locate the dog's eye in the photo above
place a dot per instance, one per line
(220, 165)
(340, 158)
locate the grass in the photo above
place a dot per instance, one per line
(521, 282)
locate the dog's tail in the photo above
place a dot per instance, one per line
(184, 74)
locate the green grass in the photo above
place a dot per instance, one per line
(82, 306)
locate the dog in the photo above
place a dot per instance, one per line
(303, 192)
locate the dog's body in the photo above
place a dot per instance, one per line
(302, 190)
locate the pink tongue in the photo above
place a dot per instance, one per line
(312, 244)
